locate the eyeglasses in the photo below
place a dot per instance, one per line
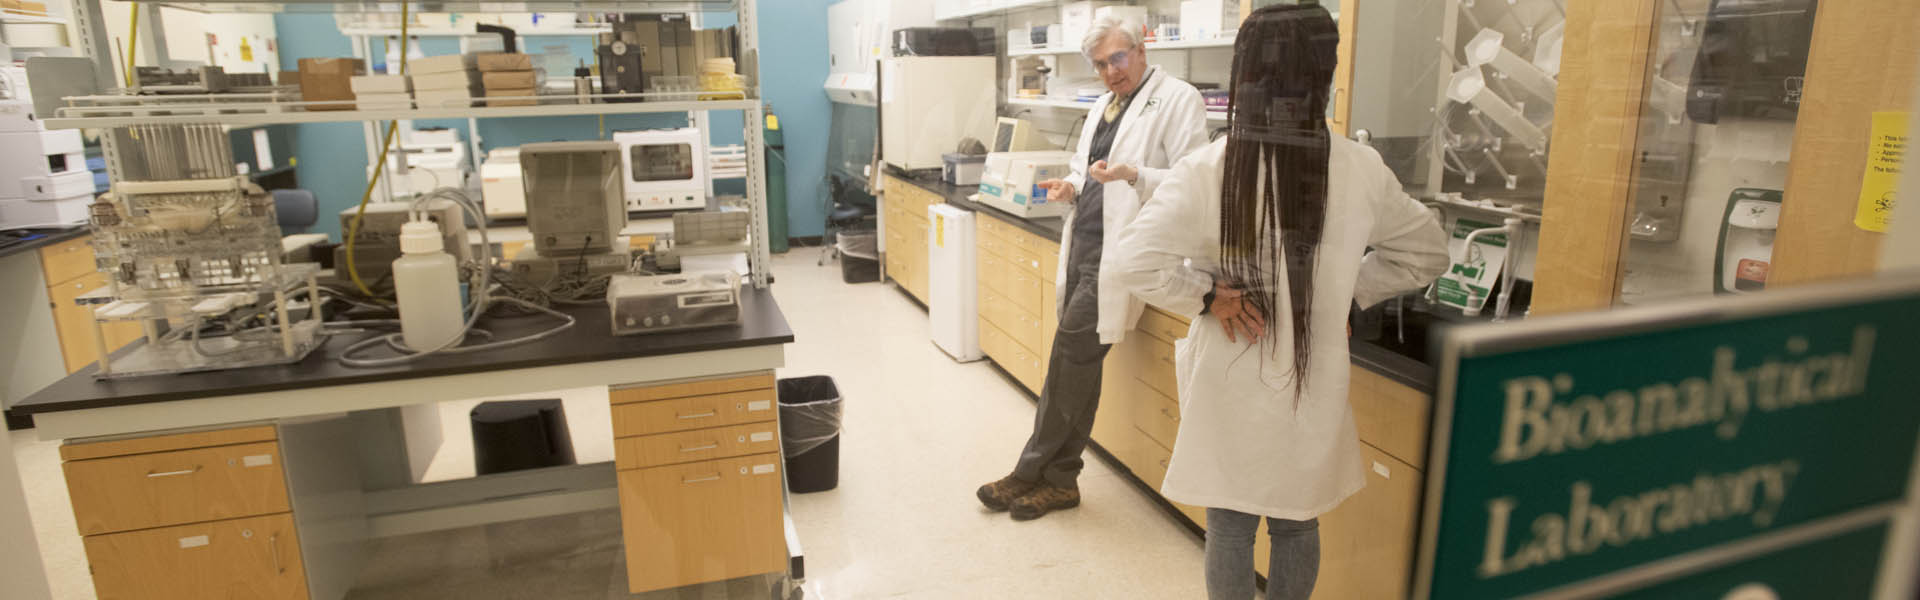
(1117, 60)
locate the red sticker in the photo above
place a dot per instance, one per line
(1752, 270)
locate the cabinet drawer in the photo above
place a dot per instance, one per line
(163, 443)
(67, 260)
(1390, 416)
(1156, 367)
(1017, 324)
(991, 270)
(702, 522)
(1161, 324)
(1157, 415)
(1025, 260)
(697, 445)
(1026, 289)
(993, 243)
(1367, 542)
(170, 488)
(257, 557)
(686, 389)
(1026, 366)
(1049, 313)
(698, 412)
(1150, 460)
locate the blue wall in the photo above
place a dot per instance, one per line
(333, 157)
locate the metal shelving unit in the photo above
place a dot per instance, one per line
(117, 109)
(1212, 115)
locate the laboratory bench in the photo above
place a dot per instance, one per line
(1391, 388)
(199, 484)
(51, 335)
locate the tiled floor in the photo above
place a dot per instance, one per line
(920, 433)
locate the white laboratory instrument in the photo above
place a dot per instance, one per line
(666, 169)
(952, 306)
(501, 189)
(710, 240)
(575, 210)
(1015, 135)
(928, 104)
(435, 158)
(378, 242)
(1746, 241)
(659, 303)
(43, 174)
(1011, 182)
(857, 33)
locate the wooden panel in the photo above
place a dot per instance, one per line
(994, 243)
(1864, 58)
(915, 255)
(1025, 259)
(170, 488)
(256, 557)
(1026, 290)
(74, 323)
(1349, 24)
(1162, 325)
(1113, 423)
(1150, 460)
(698, 412)
(1049, 260)
(702, 522)
(1023, 328)
(1366, 544)
(991, 270)
(682, 389)
(1391, 416)
(1590, 170)
(66, 260)
(1157, 415)
(163, 443)
(1026, 366)
(1049, 316)
(1155, 367)
(694, 446)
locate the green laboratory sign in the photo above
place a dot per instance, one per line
(1682, 447)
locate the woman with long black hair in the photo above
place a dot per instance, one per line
(1263, 237)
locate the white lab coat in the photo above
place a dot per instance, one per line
(1244, 444)
(1167, 120)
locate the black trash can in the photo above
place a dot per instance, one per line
(810, 433)
(520, 434)
(859, 256)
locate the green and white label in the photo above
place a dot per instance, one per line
(1470, 278)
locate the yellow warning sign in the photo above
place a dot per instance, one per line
(1886, 154)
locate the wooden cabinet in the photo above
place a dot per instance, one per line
(69, 271)
(1366, 544)
(906, 230)
(700, 481)
(1018, 310)
(193, 515)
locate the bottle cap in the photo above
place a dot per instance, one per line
(420, 237)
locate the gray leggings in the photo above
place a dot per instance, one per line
(1291, 569)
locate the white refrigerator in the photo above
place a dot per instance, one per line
(952, 293)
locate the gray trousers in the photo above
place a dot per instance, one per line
(1071, 392)
(1292, 566)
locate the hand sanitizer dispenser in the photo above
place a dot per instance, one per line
(1746, 241)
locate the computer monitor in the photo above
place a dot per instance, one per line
(1012, 135)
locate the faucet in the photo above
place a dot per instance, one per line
(1513, 227)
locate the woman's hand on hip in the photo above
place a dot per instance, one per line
(1237, 316)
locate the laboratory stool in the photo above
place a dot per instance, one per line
(520, 434)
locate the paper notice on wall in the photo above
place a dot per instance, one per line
(1886, 153)
(1471, 276)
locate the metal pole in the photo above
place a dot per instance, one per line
(755, 142)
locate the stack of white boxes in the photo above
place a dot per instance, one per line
(43, 174)
(449, 81)
(375, 92)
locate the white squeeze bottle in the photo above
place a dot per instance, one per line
(427, 282)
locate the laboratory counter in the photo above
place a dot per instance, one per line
(47, 237)
(761, 324)
(957, 195)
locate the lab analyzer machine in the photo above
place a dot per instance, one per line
(665, 169)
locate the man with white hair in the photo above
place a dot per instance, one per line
(1145, 122)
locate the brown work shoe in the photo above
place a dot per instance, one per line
(1000, 494)
(1044, 498)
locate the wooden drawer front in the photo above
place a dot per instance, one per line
(687, 389)
(1022, 328)
(1026, 366)
(702, 522)
(1049, 314)
(698, 412)
(993, 243)
(163, 443)
(1367, 542)
(694, 446)
(1049, 253)
(1026, 290)
(1156, 367)
(1025, 260)
(67, 260)
(1113, 424)
(1150, 460)
(257, 557)
(992, 271)
(1161, 324)
(1390, 416)
(170, 488)
(1157, 415)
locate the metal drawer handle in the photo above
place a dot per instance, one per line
(699, 415)
(195, 469)
(713, 477)
(1166, 360)
(699, 448)
(1163, 463)
(273, 542)
(1170, 415)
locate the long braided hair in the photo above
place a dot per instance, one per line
(1273, 203)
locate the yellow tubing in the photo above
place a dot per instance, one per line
(353, 230)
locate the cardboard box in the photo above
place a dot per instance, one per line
(376, 101)
(451, 80)
(443, 98)
(683, 48)
(510, 93)
(381, 84)
(447, 63)
(38, 8)
(507, 80)
(503, 61)
(327, 79)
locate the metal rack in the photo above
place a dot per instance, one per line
(119, 110)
